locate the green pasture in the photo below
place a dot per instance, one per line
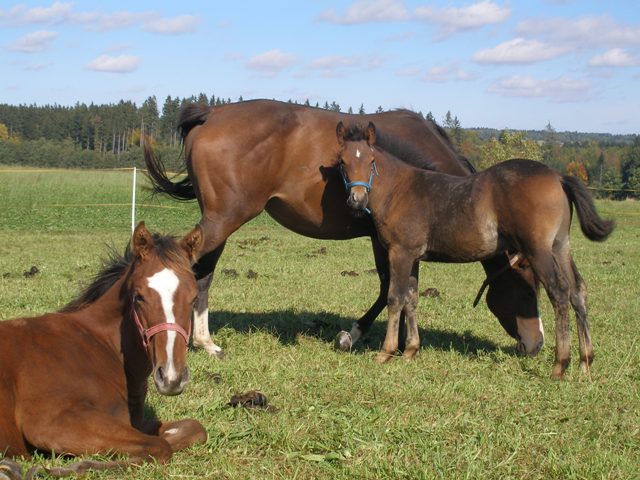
(467, 407)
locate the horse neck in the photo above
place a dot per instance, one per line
(105, 315)
(392, 176)
(110, 320)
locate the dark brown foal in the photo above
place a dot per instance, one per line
(519, 206)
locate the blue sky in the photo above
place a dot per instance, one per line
(492, 63)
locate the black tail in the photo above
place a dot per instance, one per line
(191, 116)
(593, 227)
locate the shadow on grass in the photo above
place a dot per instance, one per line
(287, 325)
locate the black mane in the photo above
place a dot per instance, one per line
(117, 265)
(400, 149)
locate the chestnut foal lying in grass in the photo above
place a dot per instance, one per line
(75, 381)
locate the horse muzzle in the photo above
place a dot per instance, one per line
(168, 381)
(530, 336)
(357, 201)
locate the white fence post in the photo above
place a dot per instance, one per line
(133, 203)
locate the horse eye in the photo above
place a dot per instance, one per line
(138, 298)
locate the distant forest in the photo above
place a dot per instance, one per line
(102, 136)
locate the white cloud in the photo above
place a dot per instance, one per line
(272, 61)
(447, 73)
(34, 42)
(60, 12)
(365, 11)
(583, 32)
(173, 26)
(562, 89)
(616, 57)
(335, 65)
(100, 22)
(117, 64)
(519, 50)
(452, 20)
(21, 15)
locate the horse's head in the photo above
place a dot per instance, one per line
(161, 289)
(356, 162)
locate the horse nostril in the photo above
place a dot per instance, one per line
(159, 375)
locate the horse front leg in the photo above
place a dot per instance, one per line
(90, 431)
(401, 265)
(345, 340)
(180, 434)
(204, 270)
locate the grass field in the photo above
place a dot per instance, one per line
(467, 407)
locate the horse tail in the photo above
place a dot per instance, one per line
(77, 469)
(192, 115)
(160, 181)
(592, 225)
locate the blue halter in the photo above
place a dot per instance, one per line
(360, 183)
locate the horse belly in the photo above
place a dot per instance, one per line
(463, 242)
(317, 216)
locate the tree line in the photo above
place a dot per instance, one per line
(99, 136)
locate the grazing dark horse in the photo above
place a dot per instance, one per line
(260, 155)
(75, 381)
(518, 206)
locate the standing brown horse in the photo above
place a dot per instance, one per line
(260, 155)
(75, 381)
(518, 205)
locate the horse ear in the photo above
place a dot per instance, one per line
(142, 242)
(340, 132)
(371, 134)
(192, 242)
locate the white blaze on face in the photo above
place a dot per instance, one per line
(357, 153)
(166, 283)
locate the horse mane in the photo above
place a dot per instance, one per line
(444, 135)
(401, 149)
(116, 265)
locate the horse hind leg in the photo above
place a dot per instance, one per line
(12, 443)
(412, 341)
(579, 303)
(549, 271)
(204, 271)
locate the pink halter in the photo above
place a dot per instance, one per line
(147, 333)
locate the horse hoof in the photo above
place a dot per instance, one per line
(557, 373)
(409, 355)
(585, 366)
(383, 357)
(212, 349)
(343, 341)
